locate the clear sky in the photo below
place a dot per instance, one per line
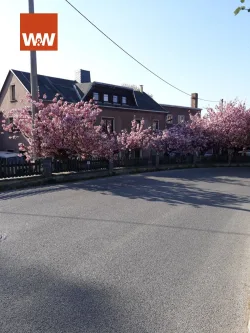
(197, 45)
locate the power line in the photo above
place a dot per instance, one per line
(149, 70)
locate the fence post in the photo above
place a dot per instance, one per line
(194, 158)
(47, 167)
(111, 166)
(230, 155)
(157, 161)
(150, 162)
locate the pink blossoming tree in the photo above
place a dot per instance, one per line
(138, 137)
(226, 126)
(61, 130)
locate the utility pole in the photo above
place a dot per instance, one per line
(33, 71)
(222, 101)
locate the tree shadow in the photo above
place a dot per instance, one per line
(19, 193)
(223, 175)
(35, 300)
(170, 192)
(171, 187)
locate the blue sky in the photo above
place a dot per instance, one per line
(197, 45)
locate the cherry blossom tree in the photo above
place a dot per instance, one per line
(227, 126)
(159, 141)
(138, 137)
(61, 130)
(108, 144)
(183, 138)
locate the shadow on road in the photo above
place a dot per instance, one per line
(212, 175)
(35, 301)
(172, 187)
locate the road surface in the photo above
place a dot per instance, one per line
(149, 253)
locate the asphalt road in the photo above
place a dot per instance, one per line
(156, 252)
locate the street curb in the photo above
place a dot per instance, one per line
(39, 180)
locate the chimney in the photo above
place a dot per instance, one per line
(82, 76)
(194, 100)
(141, 88)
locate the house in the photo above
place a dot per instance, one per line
(179, 114)
(119, 104)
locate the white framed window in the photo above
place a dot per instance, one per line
(155, 125)
(124, 100)
(95, 96)
(115, 99)
(181, 119)
(105, 97)
(169, 119)
(108, 122)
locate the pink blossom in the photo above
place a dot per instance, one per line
(64, 129)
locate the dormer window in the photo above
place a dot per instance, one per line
(115, 99)
(105, 98)
(124, 100)
(95, 96)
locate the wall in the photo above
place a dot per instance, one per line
(176, 111)
(123, 117)
(6, 105)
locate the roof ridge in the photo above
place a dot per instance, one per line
(179, 106)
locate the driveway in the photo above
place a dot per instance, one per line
(149, 253)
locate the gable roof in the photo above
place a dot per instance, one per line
(73, 91)
(51, 86)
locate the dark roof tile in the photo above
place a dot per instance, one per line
(144, 101)
(51, 86)
(72, 91)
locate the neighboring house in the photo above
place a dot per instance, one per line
(179, 114)
(119, 104)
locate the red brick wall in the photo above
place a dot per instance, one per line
(123, 117)
(178, 111)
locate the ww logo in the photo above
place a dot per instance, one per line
(39, 39)
(38, 32)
